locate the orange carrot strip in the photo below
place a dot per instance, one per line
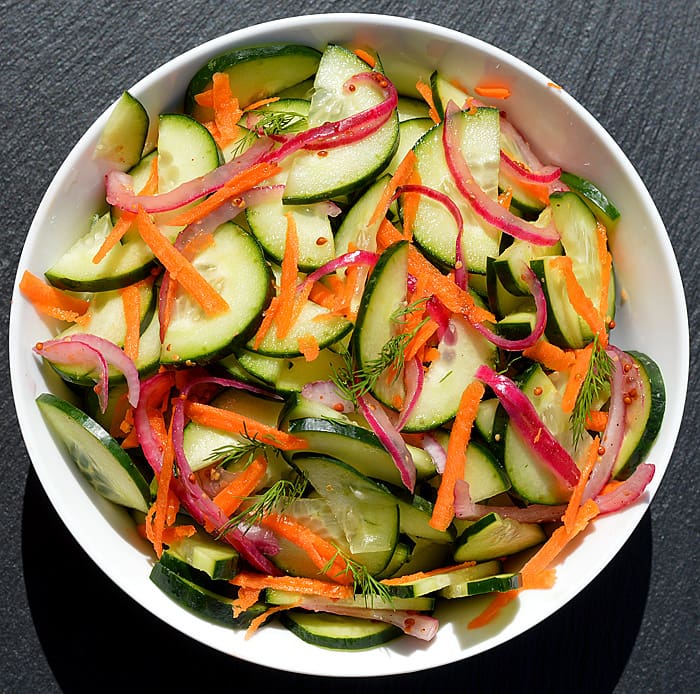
(308, 346)
(427, 93)
(410, 207)
(493, 609)
(174, 533)
(323, 553)
(367, 57)
(150, 187)
(241, 486)
(115, 236)
(577, 373)
(572, 507)
(550, 356)
(420, 339)
(493, 91)
(239, 184)
(293, 584)
(610, 487)
(51, 301)
(225, 420)
(431, 354)
(401, 176)
(579, 300)
(227, 111)
(409, 578)
(262, 102)
(286, 294)
(596, 420)
(131, 440)
(443, 510)
(505, 198)
(258, 621)
(131, 300)
(322, 295)
(268, 319)
(179, 267)
(246, 598)
(605, 260)
(158, 513)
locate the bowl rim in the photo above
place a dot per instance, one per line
(346, 663)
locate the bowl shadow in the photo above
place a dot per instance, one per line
(96, 638)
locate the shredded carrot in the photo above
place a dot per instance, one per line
(605, 260)
(410, 578)
(572, 507)
(241, 486)
(323, 553)
(410, 207)
(227, 111)
(258, 621)
(443, 510)
(365, 56)
(225, 420)
(611, 486)
(431, 354)
(443, 287)
(401, 176)
(131, 440)
(131, 300)
(492, 91)
(286, 293)
(115, 236)
(505, 198)
(596, 420)
(157, 517)
(550, 356)
(179, 267)
(268, 319)
(554, 85)
(246, 598)
(493, 609)
(177, 532)
(293, 584)
(51, 301)
(238, 185)
(579, 300)
(577, 373)
(427, 93)
(150, 187)
(320, 294)
(262, 102)
(308, 346)
(420, 339)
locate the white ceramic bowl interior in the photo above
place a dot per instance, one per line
(653, 319)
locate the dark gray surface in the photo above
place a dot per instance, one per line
(65, 627)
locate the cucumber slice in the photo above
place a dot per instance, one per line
(410, 131)
(106, 466)
(492, 537)
(336, 631)
(124, 136)
(434, 582)
(424, 603)
(340, 170)
(205, 603)
(192, 335)
(601, 206)
(444, 91)
(125, 264)
(500, 583)
(411, 109)
(402, 553)
(255, 73)
(434, 228)
(217, 560)
(643, 417)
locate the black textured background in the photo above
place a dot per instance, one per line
(65, 627)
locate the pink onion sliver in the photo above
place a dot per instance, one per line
(512, 133)
(547, 174)
(325, 393)
(390, 438)
(229, 383)
(120, 193)
(153, 389)
(77, 353)
(487, 208)
(439, 313)
(611, 439)
(534, 432)
(413, 381)
(540, 319)
(628, 492)
(359, 257)
(436, 451)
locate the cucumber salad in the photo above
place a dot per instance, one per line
(343, 352)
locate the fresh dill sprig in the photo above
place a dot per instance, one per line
(595, 381)
(248, 451)
(354, 382)
(362, 581)
(274, 500)
(268, 123)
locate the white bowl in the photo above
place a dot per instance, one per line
(653, 319)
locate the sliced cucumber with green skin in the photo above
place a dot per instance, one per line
(500, 583)
(200, 443)
(444, 91)
(424, 603)
(124, 135)
(410, 131)
(492, 537)
(318, 176)
(437, 581)
(217, 560)
(337, 631)
(485, 417)
(125, 264)
(402, 553)
(601, 206)
(411, 109)
(106, 466)
(205, 603)
(233, 367)
(357, 446)
(290, 375)
(255, 73)
(643, 416)
(426, 556)
(434, 228)
(106, 320)
(516, 326)
(192, 335)
(500, 300)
